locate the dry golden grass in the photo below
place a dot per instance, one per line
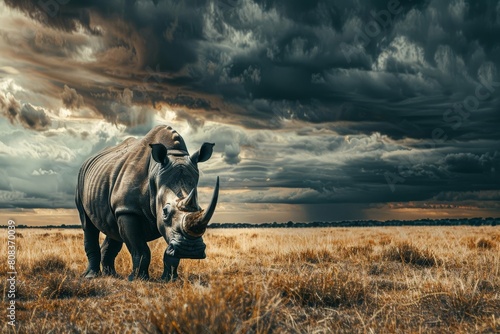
(331, 280)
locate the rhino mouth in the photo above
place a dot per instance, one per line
(186, 247)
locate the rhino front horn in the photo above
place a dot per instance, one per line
(196, 225)
(213, 203)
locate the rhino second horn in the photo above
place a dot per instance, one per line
(191, 201)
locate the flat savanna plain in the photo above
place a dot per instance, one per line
(328, 280)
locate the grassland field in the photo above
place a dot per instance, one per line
(311, 280)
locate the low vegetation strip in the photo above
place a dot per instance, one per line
(321, 280)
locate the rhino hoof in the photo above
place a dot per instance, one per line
(110, 273)
(133, 277)
(169, 278)
(91, 274)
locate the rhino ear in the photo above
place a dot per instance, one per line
(159, 152)
(203, 154)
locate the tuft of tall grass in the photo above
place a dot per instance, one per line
(326, 288)
(408, 253)
(60, 286)
(225, 307)
(361, 250)
(458, 302)
(49, 264)
(481, 243)
(485, 244)
(306, 256)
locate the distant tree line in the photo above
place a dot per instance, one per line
(366, 223)
(345, 223)
(45, 226)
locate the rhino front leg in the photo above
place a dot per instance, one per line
(109, 250)
(132, 233)
(170, 264)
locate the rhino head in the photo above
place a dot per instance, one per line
(180, 218)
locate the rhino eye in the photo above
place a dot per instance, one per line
(167, 211)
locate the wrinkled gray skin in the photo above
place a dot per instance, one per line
(139, 191)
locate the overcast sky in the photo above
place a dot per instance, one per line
(319, 110)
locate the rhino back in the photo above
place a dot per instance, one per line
(116, 181)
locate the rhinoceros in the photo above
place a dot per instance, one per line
(138, 191)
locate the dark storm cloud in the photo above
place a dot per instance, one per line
(9, 106)
(189, 101)
(492, 195)
(62, 15)
(318, 166)
(472, 163)
(34, 118)
(71, 99)
(193, 121)
(323, 61)
(128, 23)
(27, 115)
(408, 89)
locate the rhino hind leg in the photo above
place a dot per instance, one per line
(92, 249)
(131, 232)
(109, 250)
